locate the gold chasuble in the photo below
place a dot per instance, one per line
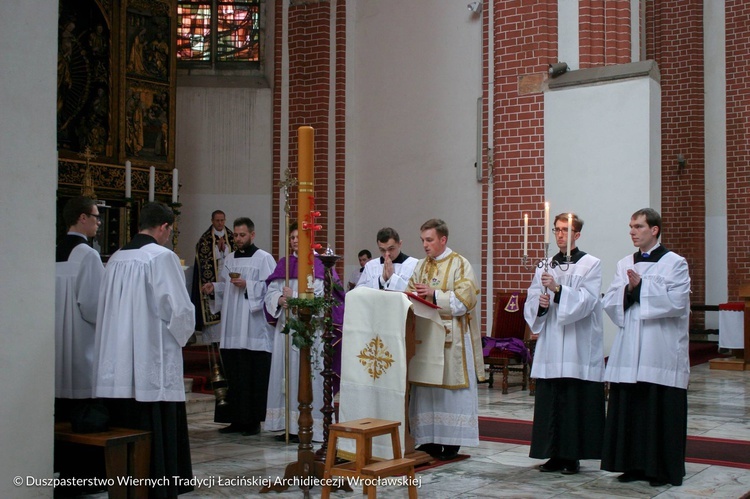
(453, 274)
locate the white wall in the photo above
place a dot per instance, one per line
(223, 151)
(716, 157)
(28, 179)
(602, 151)
(413, 77)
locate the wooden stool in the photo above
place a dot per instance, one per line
(126, 453)
(364, 467)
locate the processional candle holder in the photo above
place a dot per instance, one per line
(544, 263)
(329, 259)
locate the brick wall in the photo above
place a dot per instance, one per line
(310, 84)
(525, 43)
(738, 148)
(675, 41)
(604, 32)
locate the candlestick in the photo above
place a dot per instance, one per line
(570, 229)
(175, 186)
(546, 223)
(151, 182)
(305, 137)
(525, 234)
(128, 180)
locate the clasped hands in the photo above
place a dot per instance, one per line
(634, 279)
(388, 268)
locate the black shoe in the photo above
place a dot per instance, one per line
(655, 482)
(251, 429)
(554, 464)
(293, 439)
(631, 476)
(449, 452)
(434, 450)
(232, 428)
(571, 467)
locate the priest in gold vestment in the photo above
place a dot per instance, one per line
(443, 418)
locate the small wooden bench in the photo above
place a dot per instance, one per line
(127, 453)
(365, 466)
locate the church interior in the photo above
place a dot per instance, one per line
(477, 114)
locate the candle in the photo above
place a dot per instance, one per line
(128, 180)
(151, 182)
(175, 186)
(570, 230)
(305, 279)
(525, 234)
(546, 223)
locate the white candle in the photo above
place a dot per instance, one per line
(570, 231)
(525, 234)
(128, 180)
(151, 182)
(546, 223)
(175, 186)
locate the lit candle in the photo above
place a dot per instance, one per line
(175, 186)
(151, 182)
(525, 234)
(128, 180)
(305, 279)
(570, 230)
(546, 223)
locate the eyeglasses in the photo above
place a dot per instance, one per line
(97, 216)
(562, 231)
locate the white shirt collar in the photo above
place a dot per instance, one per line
(218, 233)
(652, 249)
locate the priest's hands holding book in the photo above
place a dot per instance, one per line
(425, 292)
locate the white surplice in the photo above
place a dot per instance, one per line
(77, 283)
(372, 275)
(144, 319)
(276, 406)
(243, 323)
(571, 332)
(652, 338)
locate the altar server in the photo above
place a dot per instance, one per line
(275, 305)
(563, 308)
(78, 276)
(443, 418)
(393, 269)
(144, 319)
(648, 367)
(246, 338)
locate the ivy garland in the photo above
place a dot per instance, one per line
(303, 333)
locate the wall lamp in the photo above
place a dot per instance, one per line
(475, 7)
(681, 161)
(557, 69)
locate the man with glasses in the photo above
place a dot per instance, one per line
(649, 366)
(78, 275)
(563, 308)
(144, 319)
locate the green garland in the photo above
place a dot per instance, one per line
(303, 333)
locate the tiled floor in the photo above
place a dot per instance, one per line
(719, 406)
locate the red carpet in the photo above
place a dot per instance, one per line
(715, 451)
(195, 366)
(703, 351)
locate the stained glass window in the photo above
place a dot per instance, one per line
(214, 32)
